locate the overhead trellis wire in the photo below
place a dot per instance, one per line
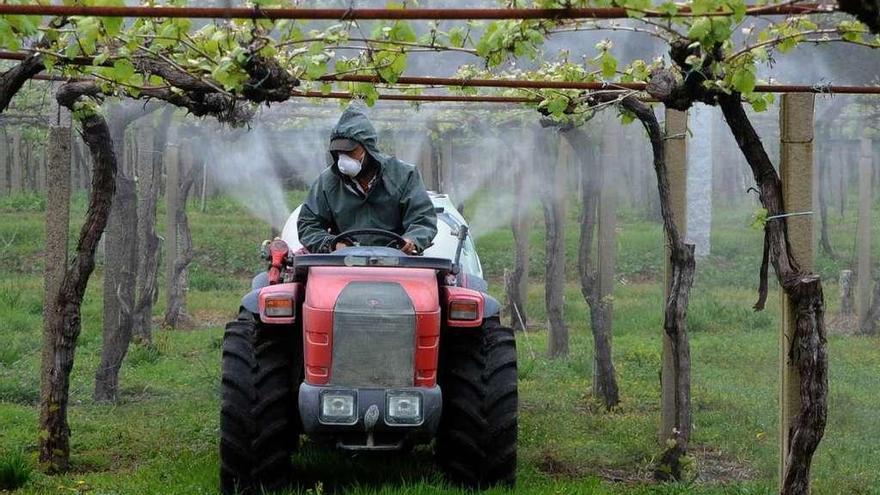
(384, 14)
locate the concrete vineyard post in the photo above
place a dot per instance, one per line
(16, 174)
(607, 229)
(172, 189)
(796, 173)
(58, 185)
(676, 165)
(4, 162)
(846, 293)
(863, 273)
(148, 173)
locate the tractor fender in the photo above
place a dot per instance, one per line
(491, 306)
(251, 300)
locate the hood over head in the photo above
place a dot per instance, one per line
(353, 124)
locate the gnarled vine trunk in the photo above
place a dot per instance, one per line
(120, 260)
(553, 202)
(872, 317)
(808, 349)
(517, 283)
(591, 176)
(149, 182)
(178, 239)
(683, 266)
(60, 337)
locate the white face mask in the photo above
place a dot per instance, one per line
(348, 165)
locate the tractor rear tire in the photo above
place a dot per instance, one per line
(259, 416)
(476, 441)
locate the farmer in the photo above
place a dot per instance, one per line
(363, 188)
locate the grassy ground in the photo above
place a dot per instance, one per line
(162, 436)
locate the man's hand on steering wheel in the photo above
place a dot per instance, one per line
(347, 238)
(409, 247)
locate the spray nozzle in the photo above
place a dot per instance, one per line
(462, 236)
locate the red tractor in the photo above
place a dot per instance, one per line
(368, 349)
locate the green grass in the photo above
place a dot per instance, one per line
(15, 470)
(162, 435)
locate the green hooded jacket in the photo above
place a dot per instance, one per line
(397, 201)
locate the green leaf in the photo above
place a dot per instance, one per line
(760, 54)
(101, 58)
(788, 44)
(367, 91)
(720, 28)
(557, 106)
(316, 69)
(700, 7)
(456, 36)
(700, 28)
(739, 10)
(113, 25)
(744, 79)
(402, 31)
(669, 8)
(759, 219)
(123, 70)
(627, 118)
(608, 64)
(760, 102)
(8, 38)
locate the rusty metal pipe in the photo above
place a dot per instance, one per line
(487, 83)
(423, 98)
(374, 14)
(522, 83)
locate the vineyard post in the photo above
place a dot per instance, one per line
(863, 273)
(796, 174)
(5, 163)
(676, 165)
(58, 187)
(16, 175)
(606, 251)
(172, 190)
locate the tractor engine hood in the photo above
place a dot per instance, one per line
(371, 327)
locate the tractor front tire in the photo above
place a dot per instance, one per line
(476, 441)
(259, 417)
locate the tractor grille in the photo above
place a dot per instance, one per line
(373, 336)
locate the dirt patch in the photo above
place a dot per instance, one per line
(645, 276)
(140, 393)
(843, 324)
(549, 462)
(714, 467)
(717, 467)
(201, 319)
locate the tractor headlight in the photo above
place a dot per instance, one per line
(403, 408)
(279, 307)
(339, 407)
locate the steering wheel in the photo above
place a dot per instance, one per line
(397, 241)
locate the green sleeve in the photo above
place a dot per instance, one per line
(419, 217)
(315, 220)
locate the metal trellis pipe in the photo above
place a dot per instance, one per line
(384, 14)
